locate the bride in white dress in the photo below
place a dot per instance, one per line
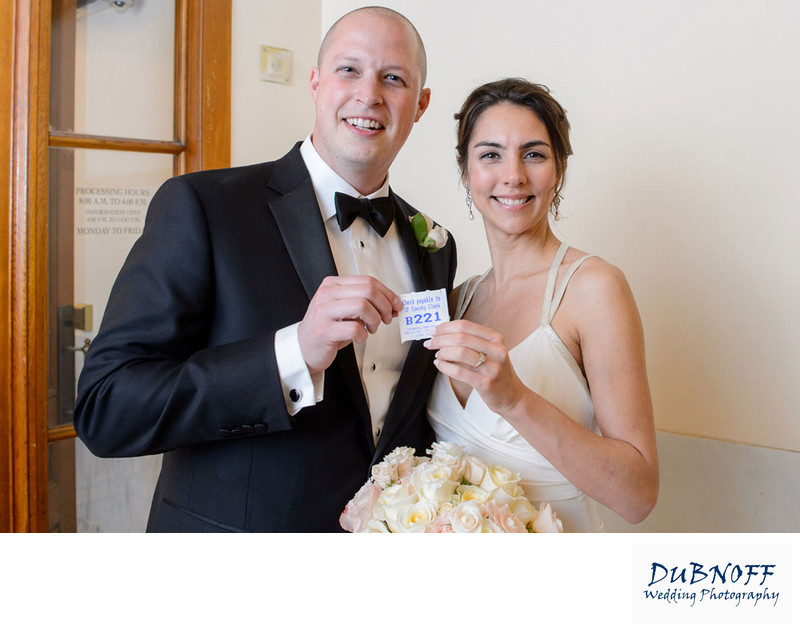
(542, 369)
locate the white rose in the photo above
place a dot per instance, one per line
(467, 517)
(448, 454)
(445, 508)
(547, 520)
(403, 459)
(473, 470)
(400, 453)
(471, 493)
(390, 504)
(435, 237)
(523, 509)
(439, 236)
(384, 474)
(497, 475)
(416, 517)
(504, 494)
(433, 482)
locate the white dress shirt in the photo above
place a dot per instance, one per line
(359, 250)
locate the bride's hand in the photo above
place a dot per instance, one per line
(477, 356)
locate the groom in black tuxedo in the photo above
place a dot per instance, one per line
(251, 335)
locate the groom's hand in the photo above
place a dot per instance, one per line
(343, 310)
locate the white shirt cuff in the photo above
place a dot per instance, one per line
(300, 389)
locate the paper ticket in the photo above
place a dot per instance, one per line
(422, 312)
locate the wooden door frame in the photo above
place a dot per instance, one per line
(202, 114)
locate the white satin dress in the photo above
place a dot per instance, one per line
(545, 365)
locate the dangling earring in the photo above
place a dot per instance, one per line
(469, 205)
(554, 206)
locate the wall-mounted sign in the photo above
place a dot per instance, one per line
(276, 65)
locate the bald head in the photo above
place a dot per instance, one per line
(388, 14)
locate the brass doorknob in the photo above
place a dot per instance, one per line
(83, 349)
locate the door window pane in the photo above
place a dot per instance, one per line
(111, 195)
(124, 61)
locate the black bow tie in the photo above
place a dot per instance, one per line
(379, 212)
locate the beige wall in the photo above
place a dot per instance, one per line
(685, 175)
(268, 118)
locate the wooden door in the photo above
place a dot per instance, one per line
(36, 435)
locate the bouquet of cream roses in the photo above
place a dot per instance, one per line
(451, 491)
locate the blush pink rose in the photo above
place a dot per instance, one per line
(358, 511)
(440, 525)
(503, 518)
(547, 520)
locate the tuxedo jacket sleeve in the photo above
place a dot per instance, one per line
(184, 361)
(185, 350)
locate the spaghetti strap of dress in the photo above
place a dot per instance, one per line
(545, 318)
(562, 288)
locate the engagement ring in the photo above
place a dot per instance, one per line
(478, 363)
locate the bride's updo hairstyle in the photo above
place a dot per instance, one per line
(516, 91)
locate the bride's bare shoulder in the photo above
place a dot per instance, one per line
(596, 281)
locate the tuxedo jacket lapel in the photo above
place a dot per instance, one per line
(418, 359)
(411, 248)
(299, 220)
(298, 217)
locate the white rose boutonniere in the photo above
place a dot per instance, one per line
(429, 235)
